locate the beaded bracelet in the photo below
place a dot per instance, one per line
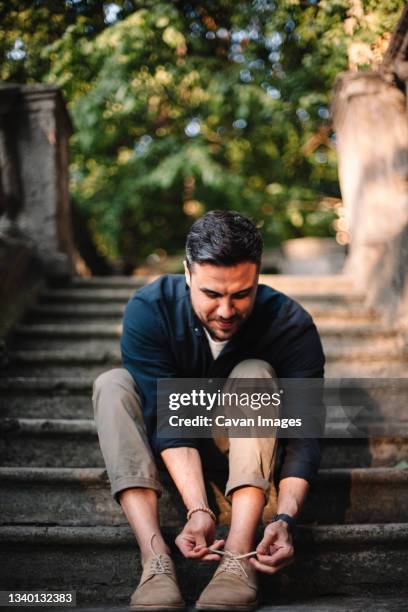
(201, 509)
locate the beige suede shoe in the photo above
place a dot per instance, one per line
(158, 589)
(234, 586)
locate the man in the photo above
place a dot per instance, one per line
(216, 322)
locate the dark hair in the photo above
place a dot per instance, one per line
(223, 238)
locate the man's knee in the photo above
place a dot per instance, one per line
(253, 368)
(112, 381)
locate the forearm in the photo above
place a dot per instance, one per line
(185, 468)
(292, 494)
(275, 551)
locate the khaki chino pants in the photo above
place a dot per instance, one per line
(125, 447)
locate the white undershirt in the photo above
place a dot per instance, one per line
(216, 346)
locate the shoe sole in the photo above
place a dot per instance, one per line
(236, 608)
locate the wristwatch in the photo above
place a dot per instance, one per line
(288, 519)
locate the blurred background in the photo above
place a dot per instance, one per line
(183, 107)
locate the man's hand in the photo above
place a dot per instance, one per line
(198, 534)
(275, 551)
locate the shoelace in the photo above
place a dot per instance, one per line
(232, 561)
(159, 564)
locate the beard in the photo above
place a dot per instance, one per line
(219, 334)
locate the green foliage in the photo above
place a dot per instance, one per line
(181, 108)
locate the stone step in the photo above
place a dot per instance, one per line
(68, 331)
(119, 296)
(42, 398)
(70, 398)
(86, 296)
(325, 603)
(53, 313)
(88, 361)
(66, 496)
(353, 368)
(84, 363)
(111, 282)
(364, 452)
(89, 356)
(377, 366)
(73, 443)
(381, 368)
(71, 496)
(49, 443)
(102, 563)
(102, 337)
(87, 331)
(333, 283)
(340, 348)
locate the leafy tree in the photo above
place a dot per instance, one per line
(184, 107)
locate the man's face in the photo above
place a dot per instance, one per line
(222, 297)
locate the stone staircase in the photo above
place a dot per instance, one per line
(60, 528)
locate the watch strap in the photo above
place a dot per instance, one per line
(291, 522)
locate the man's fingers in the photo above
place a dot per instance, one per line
(185, 546)
(266, 550)
(187, 543)
(198, 549)
(265, 543)
(211, 557)
(277, 557)
(197, 553)
(202, 551)
(217, 544)
(200, 541)
(269, 569)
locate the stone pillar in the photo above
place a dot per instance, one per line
(35, 209)
(371, 123)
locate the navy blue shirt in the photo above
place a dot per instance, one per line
(163, 338)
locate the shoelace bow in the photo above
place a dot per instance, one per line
(232, 560)
(160, 564)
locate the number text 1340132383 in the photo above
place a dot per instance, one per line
(38, 598)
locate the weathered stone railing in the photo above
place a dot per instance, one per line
(34, 129)
(35, 224)
(371, 122)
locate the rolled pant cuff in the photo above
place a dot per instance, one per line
(259, 483)
(134, 482)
